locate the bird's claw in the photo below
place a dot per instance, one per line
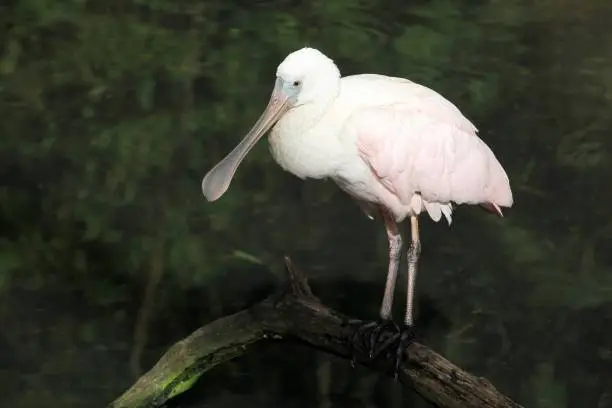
(406, 337)
(382, 337)
(369, 335)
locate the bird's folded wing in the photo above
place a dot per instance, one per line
(429, 149)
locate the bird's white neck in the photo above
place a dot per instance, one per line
(297, 142)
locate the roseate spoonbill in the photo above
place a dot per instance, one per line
(397, 147)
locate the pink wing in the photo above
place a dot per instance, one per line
(431, 149)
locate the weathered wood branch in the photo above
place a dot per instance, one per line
(295, 314)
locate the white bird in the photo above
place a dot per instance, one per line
(397, 147)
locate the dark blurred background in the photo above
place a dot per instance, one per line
(113, 110)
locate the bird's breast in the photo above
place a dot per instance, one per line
(307, 152)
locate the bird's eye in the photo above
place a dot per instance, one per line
(297, 83)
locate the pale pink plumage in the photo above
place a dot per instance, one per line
(397, 147)
(414, 150)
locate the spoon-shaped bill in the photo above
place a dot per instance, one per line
(217, 181)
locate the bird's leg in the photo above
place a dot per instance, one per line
(413, 259)
(385, 321)
(407, 332)
(375, 332)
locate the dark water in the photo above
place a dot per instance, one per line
(113, 111)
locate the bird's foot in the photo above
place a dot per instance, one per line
(368, 336)
(383, 338)
(395, 347)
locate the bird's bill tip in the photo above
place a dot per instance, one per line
(217, 181)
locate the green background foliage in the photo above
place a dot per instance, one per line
(112, 112)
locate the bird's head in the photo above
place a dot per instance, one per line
(304, 76)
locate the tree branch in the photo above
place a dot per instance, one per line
(295, 314)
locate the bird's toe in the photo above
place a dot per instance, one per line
(406, 337)
(386, 340)
(371, 337)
